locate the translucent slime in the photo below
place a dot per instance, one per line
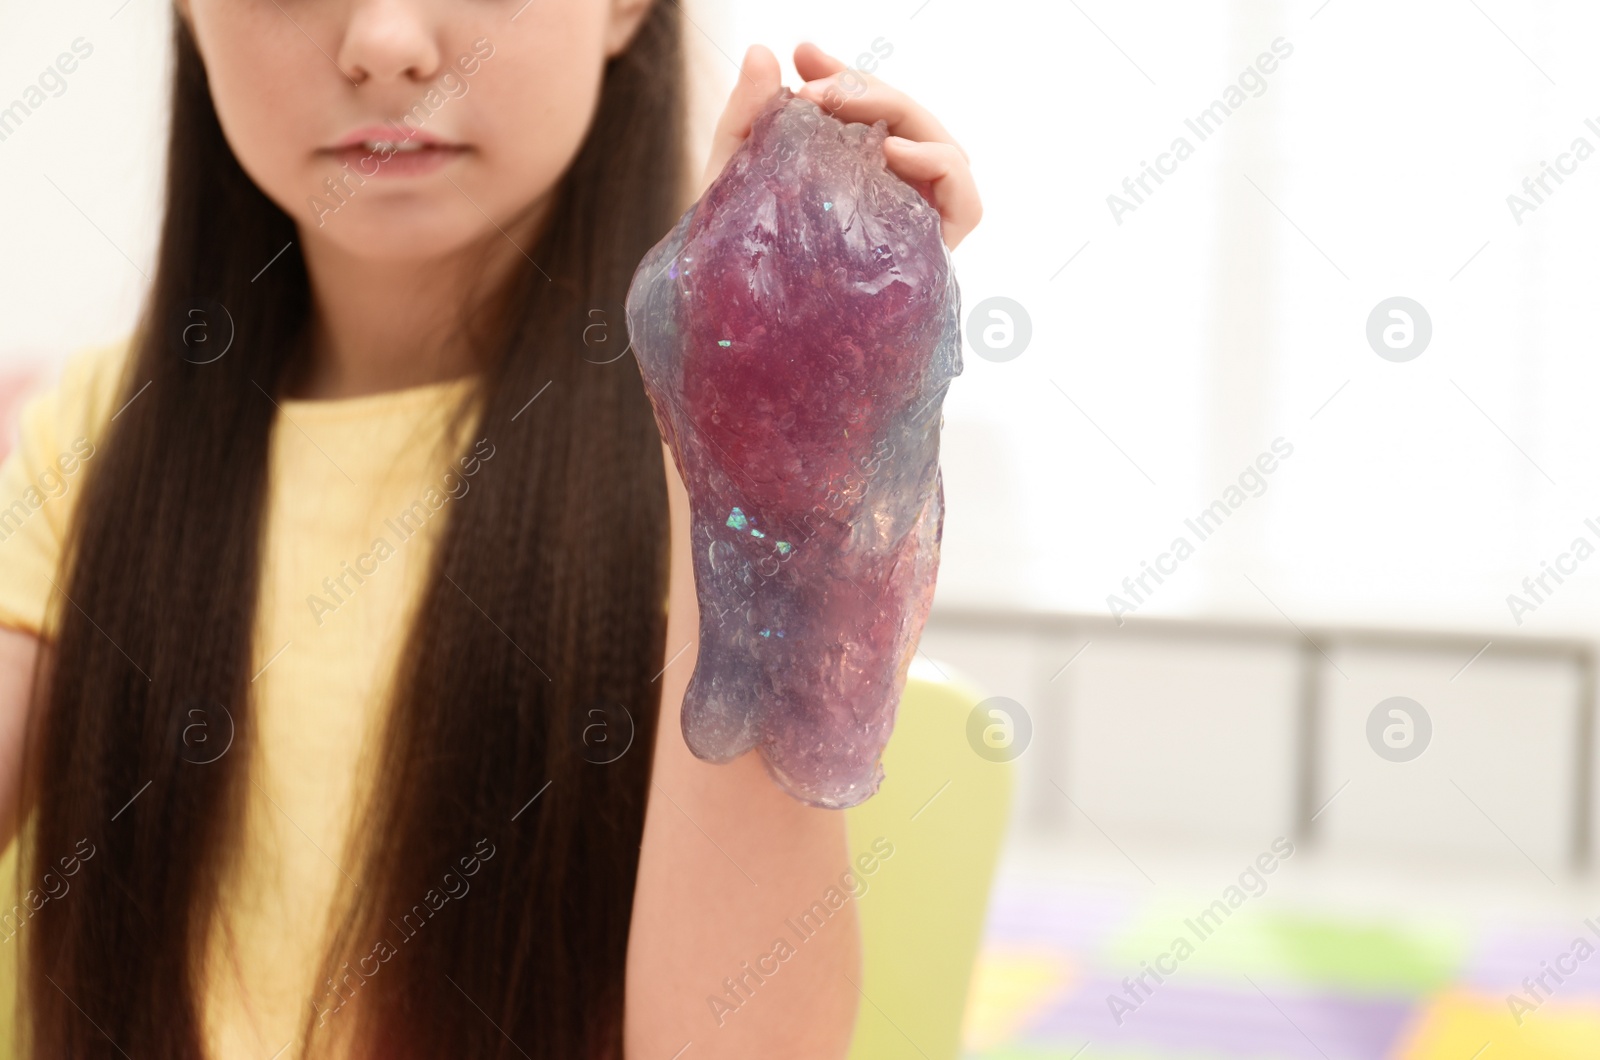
(797, 331)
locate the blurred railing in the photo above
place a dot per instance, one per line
(1311, 646)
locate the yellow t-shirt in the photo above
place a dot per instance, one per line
(358, 489)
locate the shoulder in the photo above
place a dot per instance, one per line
(56, 435)
(91, 381)
(63, 420)
(76, 403)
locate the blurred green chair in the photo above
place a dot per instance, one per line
(9, 951)
(945, 809)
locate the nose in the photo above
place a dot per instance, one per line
(386, 40)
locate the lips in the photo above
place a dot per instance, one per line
(394, 136)
(393, 150)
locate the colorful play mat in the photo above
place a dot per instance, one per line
(1281, 980)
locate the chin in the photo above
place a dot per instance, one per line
(410, 228)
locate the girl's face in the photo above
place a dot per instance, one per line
(313, 96)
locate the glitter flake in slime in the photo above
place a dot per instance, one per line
(797, 331)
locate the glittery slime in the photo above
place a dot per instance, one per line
(797, 331)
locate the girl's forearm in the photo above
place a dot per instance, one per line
(718, 953)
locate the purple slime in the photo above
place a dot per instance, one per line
(797, 331)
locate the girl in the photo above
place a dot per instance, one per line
(340, 688)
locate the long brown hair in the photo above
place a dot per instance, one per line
(544, 605)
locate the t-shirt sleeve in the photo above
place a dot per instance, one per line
(58, 434)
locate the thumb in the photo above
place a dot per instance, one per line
(759, 80)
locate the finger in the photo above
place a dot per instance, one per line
(812, 63)
(943, 171)
(759, 80)
(853, 96)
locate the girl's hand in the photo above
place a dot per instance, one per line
(918, 150)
